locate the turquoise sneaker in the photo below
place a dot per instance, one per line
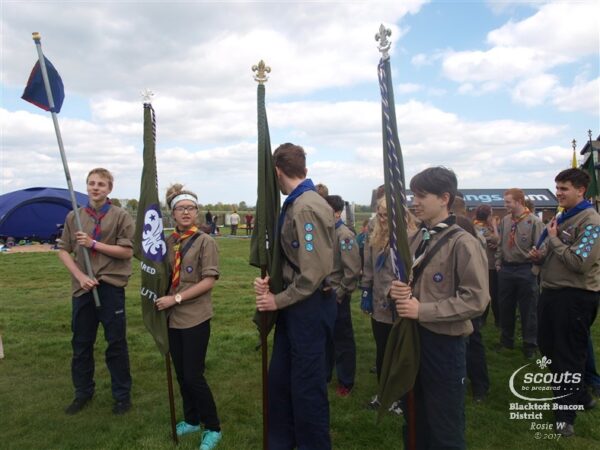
(210, 439)
(185, 428)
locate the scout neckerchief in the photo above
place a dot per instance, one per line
(427, 235)
(306, 185)
(179, 238)
(482, 224)
(339, 223)
(581, 206)
(97, 216)
(513, 226)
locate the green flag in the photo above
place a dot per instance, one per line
(593, 190)
(150, 247)
(401, 360)
(264, 246)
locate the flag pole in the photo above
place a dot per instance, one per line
(261, 78)
(171, 398)
(37, 38)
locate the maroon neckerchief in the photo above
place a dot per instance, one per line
(97, 216)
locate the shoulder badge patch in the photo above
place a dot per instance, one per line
(295, 244)
(438, 277)
(189, 269)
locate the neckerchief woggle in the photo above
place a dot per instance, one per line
(97, 215)
(306, 185)
(581, 206)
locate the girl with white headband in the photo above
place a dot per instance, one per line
(194, 259)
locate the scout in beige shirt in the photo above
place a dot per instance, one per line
(107, 233)
(451, 288)
(343, 281)
(298, 405)
(194, 261)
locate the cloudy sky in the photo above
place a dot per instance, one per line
(495, 90)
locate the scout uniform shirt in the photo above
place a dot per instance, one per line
(453, 287)
(346, 262)
(572, 258)
(491, 242)
(307, 241)
(200, 260)
(117, 228)
(378, 274)
(528, 232)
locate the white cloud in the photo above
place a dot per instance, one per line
(534, 91)
(408, 88)
(582, 96)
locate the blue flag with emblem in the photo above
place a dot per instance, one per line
(401, 359)
(150, 247)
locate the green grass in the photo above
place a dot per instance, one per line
(35, 383)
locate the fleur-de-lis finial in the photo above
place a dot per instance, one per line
(590, 135)
(261, 70)
(574, 144)
(384, 43)
(147, 95)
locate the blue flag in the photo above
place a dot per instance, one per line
(35, 91)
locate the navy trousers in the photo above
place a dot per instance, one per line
(298, 404)
(342, 352)
(439, 393)
(477, 369)
(84, 324)
(566, 316)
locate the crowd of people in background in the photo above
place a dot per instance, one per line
(546, 275)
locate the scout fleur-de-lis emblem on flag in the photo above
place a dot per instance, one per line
(153, 238)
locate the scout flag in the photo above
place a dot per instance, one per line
(35, 91)
(401, 360)
(593, 190)
(150, 247)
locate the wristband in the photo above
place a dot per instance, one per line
(93, 244)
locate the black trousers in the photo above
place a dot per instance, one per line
(494, 304)
(381, 331)
(566, 316)
(477, 370)
(439, 393)
(342, 355)
(84, 324)
(188, 350)
(518, 286)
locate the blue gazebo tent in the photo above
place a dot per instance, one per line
(36, 213)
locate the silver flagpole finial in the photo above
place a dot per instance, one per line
(261, 70)
(590, 135)
(384, 43)
(147, 95)
(574, 144)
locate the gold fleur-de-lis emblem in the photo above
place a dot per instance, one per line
(544, 362)
(261, 70)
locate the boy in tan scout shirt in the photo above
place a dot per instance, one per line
(107, 234)
(298, 405)
(569, 251)
(343, 281)
(452, 289)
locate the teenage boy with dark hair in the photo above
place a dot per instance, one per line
(298, 405)
(449, 288)
(569, 253)
(343, 280)
(107, 234)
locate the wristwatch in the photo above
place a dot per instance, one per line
(178, 299)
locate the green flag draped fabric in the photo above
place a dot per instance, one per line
(150, 247)
(401, 359)
(593, 190)
(264, 247)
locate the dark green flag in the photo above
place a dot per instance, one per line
(401, 360)
(593, 190)
(150, 247)
(264, 247)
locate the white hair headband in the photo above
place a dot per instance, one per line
(180, 197)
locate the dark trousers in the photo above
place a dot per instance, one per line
(298, 404)
(381, 331)
(188, 349)
(494, 304)
(84, 324)
(591, 373)
(342, 352)
(566, 316)
(518, 286)
(477, 370)
(439, 393)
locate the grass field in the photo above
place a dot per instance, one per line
(35, 383)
